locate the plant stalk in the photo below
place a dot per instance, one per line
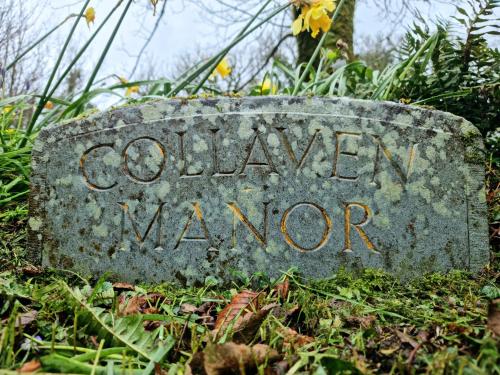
(317, 50)
(104, 53)
(222, 55)
(210, 62)
(43, 99)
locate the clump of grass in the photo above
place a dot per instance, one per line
(355, 324)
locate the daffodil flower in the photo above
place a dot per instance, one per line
(7, 109)
(223, 69)
(129, 90)
(90, 15)
(314, 16)
(268, 87)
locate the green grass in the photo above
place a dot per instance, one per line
(362, 324)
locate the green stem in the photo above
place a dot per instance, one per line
(19, 57)
(42, 100)
(221, 56)
(316, 51)
(210, 62)
(82, 50)
(104, 53)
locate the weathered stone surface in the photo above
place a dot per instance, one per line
(180, 190)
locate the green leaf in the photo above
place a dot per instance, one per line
(62, 364)
(126, 331)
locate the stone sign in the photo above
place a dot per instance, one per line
(179, 190)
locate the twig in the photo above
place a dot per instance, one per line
(150, 37)
(268, 58)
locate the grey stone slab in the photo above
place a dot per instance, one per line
(179, 190)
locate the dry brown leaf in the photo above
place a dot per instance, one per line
(283, 288)
(404, 338)
(187, 308)
(23, 319)
(494, 317)
(292, 338)
(231, 358)
(26, 318)
(159, 370)
(123, 286)
(242, 303)
(245, 329)
(131, 306)
(362, 321)
(31, 366)
(139, 304)
(32, 270)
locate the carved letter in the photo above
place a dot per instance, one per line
(237, 214)
(83, 160)
(248, 163)
(199, 216)
(388, 155)
(126, 167)
(298, 163)
(357, 226)
(324, 237)
(338, 152)
(142, 238)
(215, 157)
(182, 157)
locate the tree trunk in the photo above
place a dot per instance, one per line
(343, 29)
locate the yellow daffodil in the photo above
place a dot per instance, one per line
(49, 105)
(314, 16)
(129, 90)
(268, 87)
(90, 15)
(7, 109)
(223, 69)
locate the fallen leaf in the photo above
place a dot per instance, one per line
(494, 317)
(292, 338)
(280, 368)
(245, 329)
(139, 304)
(131, 306)
(31, 366)
(283, 288)
(159, 370)
(31, 270)
(93, 339)
(361, 321)
(404, 338)
(24, 318)
(187, 308)
(231, 358)
(123, 286)
(246, 301)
